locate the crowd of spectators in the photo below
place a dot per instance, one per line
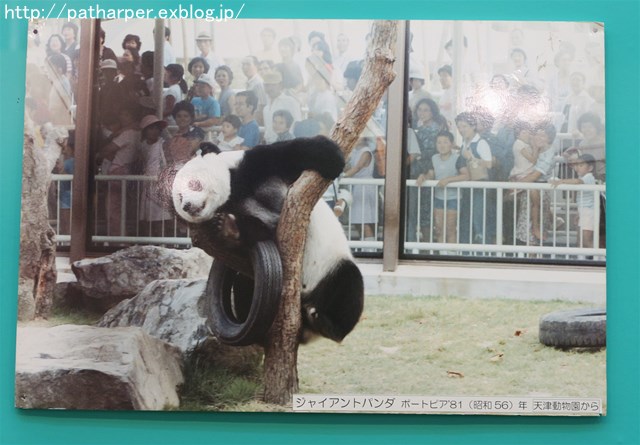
(518, 127)
(505, 130)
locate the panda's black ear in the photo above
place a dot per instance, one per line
(208, 147)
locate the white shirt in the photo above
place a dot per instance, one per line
(483, 149)
(256, 85)
(228, 145)
(584, 199)
(167, 56)
(175, 91)
(340, 63)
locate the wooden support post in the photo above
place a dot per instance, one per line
(80, 190)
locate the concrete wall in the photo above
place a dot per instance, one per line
(519, 282)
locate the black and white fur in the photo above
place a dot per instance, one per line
(243, 193)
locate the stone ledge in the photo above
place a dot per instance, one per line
(84, 367)
(518, 282)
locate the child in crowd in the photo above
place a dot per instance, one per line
(154, 215)
(282, 122)
(246, 106)
(447, 167)
(228, 138)
(584, 167)
(206, 106)
(475, 201)
(176, 90)
(524, 155)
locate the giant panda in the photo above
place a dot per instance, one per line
(242, 193)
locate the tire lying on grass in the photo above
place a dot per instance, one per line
(574, 328)
(239, 312)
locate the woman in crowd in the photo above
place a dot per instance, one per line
(429, 122)
(533, 211)
(321, 98)
(224, 77)
(364, 211)
(119, 157)
(265, 66)
(292, 79)
(185, 142)
(322, 50)
(196, 67)
(55, 45)
(152, 213)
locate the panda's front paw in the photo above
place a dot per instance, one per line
(226, 226)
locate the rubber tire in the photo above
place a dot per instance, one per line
(225, 284)
(574, 328)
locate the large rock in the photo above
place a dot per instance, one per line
(172, 310)
(106, 281)
(84, 367)
(165, 309)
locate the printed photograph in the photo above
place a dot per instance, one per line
(349, 216)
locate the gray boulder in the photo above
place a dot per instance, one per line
(172, 310)
(166, 309)
(104, 282)
(84, 367)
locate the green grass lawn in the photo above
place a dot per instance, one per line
(422, 346)
(432, 346)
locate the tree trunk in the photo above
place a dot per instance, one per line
(281, 348)
(37, 270)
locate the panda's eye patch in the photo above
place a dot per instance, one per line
(195, 185)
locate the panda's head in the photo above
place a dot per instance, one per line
(200, 187)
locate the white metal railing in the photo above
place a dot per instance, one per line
(59, 214)
(506, 225)
(127, 210)
(357, 217)
(119, 204)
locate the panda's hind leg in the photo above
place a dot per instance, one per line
(335, 305)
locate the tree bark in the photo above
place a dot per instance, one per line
(281, 348)
(37, 268)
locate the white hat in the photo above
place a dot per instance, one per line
(203, 36)
(416, 71)
(204, 78)
(150, 119)
(108, 64)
